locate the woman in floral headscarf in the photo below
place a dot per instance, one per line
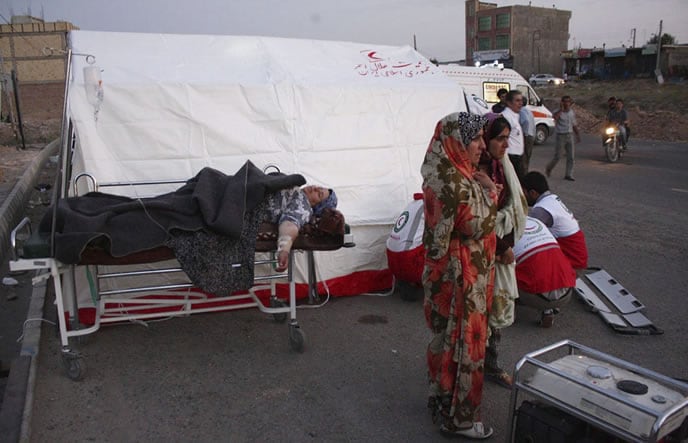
(512, 209)
(460, 210)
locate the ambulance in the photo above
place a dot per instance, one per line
(480, 85)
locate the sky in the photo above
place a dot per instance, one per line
(437, 25)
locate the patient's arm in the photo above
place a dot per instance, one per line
(288, 232)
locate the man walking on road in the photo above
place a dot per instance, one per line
(566, 127)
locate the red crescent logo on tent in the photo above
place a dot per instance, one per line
(372, 56)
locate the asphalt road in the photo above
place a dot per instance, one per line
(15, 299)
(232, 377)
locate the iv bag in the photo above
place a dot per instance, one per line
(94, 85)
(94, 88)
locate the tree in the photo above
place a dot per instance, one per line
(667, 39)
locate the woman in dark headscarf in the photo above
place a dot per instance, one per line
(459, 240)
(512, 209)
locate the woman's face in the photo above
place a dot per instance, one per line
(498, 145)
(316, 194)
(475, 147)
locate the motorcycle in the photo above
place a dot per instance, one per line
(613, 145)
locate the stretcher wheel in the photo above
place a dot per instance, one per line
(74, 366)
(296, 338)
(277, 303)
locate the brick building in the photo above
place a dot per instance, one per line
(24, 47)
(528, 39)
(31, 53)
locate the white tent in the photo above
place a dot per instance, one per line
(354, 117)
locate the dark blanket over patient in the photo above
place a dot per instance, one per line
(210, 201)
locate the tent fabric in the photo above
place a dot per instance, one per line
(350, 116)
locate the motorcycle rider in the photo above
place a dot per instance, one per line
(611, 103)
(619, 117)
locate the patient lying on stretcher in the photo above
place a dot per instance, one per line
(292, 208)
(211, 225)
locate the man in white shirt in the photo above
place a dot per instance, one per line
(527, 121)
(514, 103)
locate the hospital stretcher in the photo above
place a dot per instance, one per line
(137, 300)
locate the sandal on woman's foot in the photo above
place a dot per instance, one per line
(501, 378)
(476, 432)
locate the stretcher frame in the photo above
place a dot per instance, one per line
(621, 310)
(108, 303)
(63, 275)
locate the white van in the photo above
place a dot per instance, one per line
(481, 84)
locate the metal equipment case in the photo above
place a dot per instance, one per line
(612, 395)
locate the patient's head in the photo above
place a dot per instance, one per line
(320, 198)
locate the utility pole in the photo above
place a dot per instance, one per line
(535, 36)
(658, 72)
(9, 103)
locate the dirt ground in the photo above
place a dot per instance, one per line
(656, 112)
(41, 114)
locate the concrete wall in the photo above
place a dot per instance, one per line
(36, 25)
(539, 36)
(675, 61)
(32, 50)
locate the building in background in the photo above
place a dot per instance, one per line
(32, 54)
(528, 39)
(623, 63)
(24, 47)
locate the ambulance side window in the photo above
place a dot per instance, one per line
(490, 89)
(528, 92)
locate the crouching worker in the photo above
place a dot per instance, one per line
(291, 209)
(544, 275)
(549, 209)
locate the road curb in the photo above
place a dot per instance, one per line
(30, 348)
(14, 402)
(17, 405)
(19, 393)
(12, 208)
